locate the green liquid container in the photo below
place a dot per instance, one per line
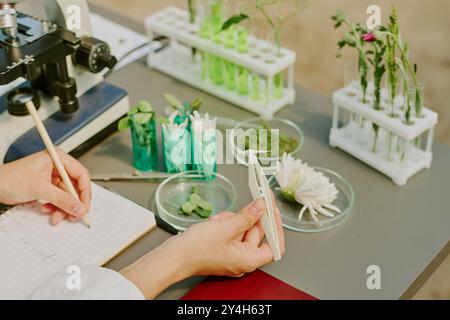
(205, 64)
(256, 87)
(242, 40)
(204, 152)
(242, 46)
(216, 21)
(216, 70)
(279, 85)
(176, 150)
(229, 37)
(144, 144)
(243, 81)
(204, 32)
(230, 75)
(205, 29)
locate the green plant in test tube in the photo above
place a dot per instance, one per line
(204, 32)
(256, 87)
(217, 69)
(242, 46)
(229, 38)
(216, 64)
(243, 81)
(216, 21)
(205, 64)
(141, 120)
(242, 40)
(278, 85)
(230, 67)
(230, 75)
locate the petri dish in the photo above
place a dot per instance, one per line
(174, 191)
(284, 126)
(289, 211)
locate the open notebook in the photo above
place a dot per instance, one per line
(31, 250)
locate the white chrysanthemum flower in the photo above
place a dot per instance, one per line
(301, 183)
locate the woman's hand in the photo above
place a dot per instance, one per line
(35, 178)
(229, 244)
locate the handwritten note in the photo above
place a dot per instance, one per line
(31, 250)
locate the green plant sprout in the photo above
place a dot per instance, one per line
(391, 64)
(234, 20)
(192, 7)
(375, 56)
(275, 13)
(353, 38)
(139, 115)
(196, 205)
(185, 110)
(140, 119)
(411, 69)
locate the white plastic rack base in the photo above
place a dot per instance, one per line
(176, 61)
(399, 154)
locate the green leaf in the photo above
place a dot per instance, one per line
(196, 205)
(203, 213)
(205, 205)
(133, 110)
(162, 120)
(124, 124)
(187, 208)
(145, 106)
(173, 101)
(196, 104)
(142, 118)
(234, 20)
(342, 44)
(196, 199)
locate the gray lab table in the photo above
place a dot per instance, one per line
(403, 230)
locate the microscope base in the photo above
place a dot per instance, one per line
(100, 108)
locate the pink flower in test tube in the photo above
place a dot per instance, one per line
(369, 37)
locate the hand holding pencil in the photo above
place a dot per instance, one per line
(54, 155)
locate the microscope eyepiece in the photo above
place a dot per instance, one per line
(8, 19)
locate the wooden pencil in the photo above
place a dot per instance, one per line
(53, 153)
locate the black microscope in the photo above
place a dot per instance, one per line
(60, 69)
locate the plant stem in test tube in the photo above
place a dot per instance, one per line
(216, 21)
(256, 88)
(204, 32)
(279, 85)
(230, 75)
(242, 43)
(217, 70)
(230, 68)
(243, 80)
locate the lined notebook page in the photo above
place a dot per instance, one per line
(32, 251)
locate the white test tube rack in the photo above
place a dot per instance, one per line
(403, 150)
(176, 60)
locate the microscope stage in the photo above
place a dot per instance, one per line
(99, 107)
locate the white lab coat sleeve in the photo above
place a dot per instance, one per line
(95, 283)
